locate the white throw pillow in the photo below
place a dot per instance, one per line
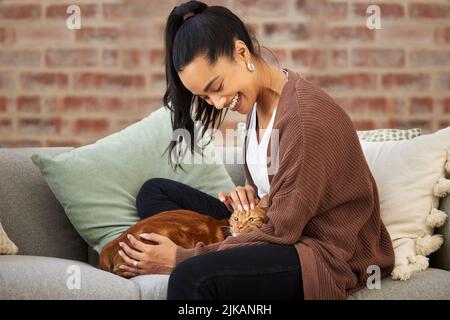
(410, 176)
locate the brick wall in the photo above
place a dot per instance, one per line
(61, 87)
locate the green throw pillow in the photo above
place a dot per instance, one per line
(97, 184)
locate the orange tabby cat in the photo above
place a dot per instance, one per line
(185, 228)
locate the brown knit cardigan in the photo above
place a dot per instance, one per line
(323, 198)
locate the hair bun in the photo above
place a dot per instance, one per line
(189, 9)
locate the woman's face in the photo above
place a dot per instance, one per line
(221, 83)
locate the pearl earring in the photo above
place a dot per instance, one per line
(250, 66)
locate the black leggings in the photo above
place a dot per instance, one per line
(266, 271)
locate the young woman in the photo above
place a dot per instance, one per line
(324, 230)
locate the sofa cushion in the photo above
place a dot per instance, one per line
(30, 213)
(432, 284)
(97, 184)
(29, 277)
(407, 173)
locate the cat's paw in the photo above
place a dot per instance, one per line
(418, 263)
(402, 272)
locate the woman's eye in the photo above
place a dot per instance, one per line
(220, 88)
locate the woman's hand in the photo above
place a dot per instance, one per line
(151, 259)
(240, 198)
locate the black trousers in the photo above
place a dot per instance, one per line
(267, 271)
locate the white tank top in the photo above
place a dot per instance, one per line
(256, 154)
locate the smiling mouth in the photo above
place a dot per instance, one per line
(235, 102)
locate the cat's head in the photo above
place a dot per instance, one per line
(243, 221)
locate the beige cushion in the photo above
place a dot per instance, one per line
(6, 245)
(410, 177)
(388, 134)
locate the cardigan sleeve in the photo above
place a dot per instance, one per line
(299, 186)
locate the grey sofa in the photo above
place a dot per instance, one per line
(51, 251)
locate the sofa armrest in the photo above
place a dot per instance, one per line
(441, 258)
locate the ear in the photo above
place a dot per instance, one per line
(264, 202)
(241, 51)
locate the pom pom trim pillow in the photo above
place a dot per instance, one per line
(97, 184)
(388, 134)
(410, 177)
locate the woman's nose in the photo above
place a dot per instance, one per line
(219, 102)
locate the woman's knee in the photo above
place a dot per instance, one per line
(151, 187)
(188, 281)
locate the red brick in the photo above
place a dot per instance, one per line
(314, 58)
(442, 35)
(136, 9)
(139, 34)
(132, 58)
(6, 126)
(429, 10)
(89, 80)
(446, 105)
(7, 35)
(429, 58)
(90, 126)
(7, 80)
(157, 81)
(98, 35)
(71, 57)
(39, 126)
(20, 58)
(405, 33)
(378, 57)
(44, 80)
(324, 9)
(20, 11)
(109, 105)
(29, 104)
(387, 10)
(3, 104)
(443, 124)
(346, 81)
(374, 105)
(110, 57)
(339, 58)
(156, 57)
(59, 11)
(407, 81)
(410, 123)
(22, 143)
(282, 32)
(364, 125)
(260, 8)
(44, 34)
(443, 81)
(63, 143)
(78, 104)
(350, 34)
(421, 105)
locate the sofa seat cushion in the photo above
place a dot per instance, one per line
(32, 277)
(432, 284)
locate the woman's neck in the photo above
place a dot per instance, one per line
(271, 82)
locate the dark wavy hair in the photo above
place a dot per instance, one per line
(211, 31)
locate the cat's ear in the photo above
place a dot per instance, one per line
(264, 202)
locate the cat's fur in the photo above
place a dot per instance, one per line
(185, 228)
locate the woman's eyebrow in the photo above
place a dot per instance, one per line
(210, 83)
